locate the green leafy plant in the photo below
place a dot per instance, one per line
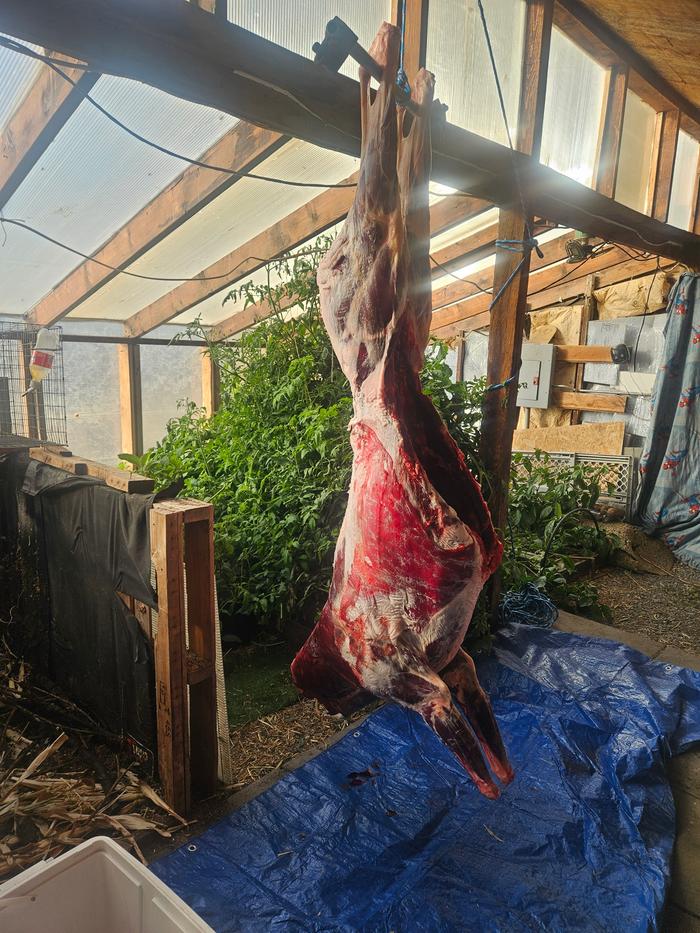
(275, 461)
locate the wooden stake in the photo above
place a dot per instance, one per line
(130, 400)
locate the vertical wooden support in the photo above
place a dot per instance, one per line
(695, 210)
(586, 317)
(416, 32)
(211, 389)
(130, 400)
(167, 548)
(662, 163)
(611, 131)
(533, 81)
(201, 621)
(510, 277)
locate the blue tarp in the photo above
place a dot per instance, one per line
(581, 840)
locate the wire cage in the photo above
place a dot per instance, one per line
(39, 414)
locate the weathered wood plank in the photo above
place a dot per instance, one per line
(574, 353)
(611, 133)
(201, 622)
(130, 398)
(167, 547)
(123, 480)
(662, 163)
(589, 401)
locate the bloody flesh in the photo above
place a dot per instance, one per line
(417, 542)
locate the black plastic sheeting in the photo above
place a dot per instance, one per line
(581, 840)
(93, 542)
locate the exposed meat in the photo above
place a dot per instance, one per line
(417, 541)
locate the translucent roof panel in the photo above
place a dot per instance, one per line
(573, 107)
(241, 212)
(94, 177)
(17, 74)
(681, 207)
(458, 56)
(297, 24)
(636, 147)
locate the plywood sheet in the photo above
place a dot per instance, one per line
(595, 438)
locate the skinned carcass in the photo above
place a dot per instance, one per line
(417, 542)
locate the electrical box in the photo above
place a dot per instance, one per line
(535, 376)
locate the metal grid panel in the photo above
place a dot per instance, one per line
(38, 413)
(618, 474)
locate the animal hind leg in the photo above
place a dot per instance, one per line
(460, 676)
(418, 687)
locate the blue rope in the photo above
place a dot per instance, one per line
(528, 606)
(401, 76)
(501, 385)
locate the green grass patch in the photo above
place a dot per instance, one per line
(258, 682)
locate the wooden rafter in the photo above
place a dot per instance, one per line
(549, 286)
(663, 161)
(611, 131)
(510, 278)
(39, 116)
(188, 52)
(241, 149)
(443, 215)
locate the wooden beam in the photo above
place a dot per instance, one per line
(211, 387)
(533, 85)
(577, 353)
(695, 203)
(241, 148)
(662, 163)
(472, 314)
(130, 400)
(611, 133)
(187, 52)
(312, 218)
(589, 401)
(167, 548)
(579, 22)
(39, 116)
(285, 235)
(123, 480)
(552, 251)
(201, 625)
(415, 35)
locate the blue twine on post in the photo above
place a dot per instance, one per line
(501, 385)
(520, 246)
(401, 76)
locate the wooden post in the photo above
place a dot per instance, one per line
(415, 35)
(611, 132)
(130, 400)
(211, 388)
(167, 547)
(695, 210)
(201, 621)
(662, 163)
(510, 279)
(586, 317)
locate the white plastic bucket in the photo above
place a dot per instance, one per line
(97, 887)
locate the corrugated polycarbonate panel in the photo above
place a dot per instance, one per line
(247, 208)
(681, 207)
(457, 54)
(94, 177)
(573, 106)
(464, 230)
(297, 24)
(17, 74)
(636, 148)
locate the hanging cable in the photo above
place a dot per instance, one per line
(644, 314)
(138, 275)
(25, 50)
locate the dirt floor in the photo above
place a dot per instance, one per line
(650, 592)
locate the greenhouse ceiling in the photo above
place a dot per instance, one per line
(108, 174)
